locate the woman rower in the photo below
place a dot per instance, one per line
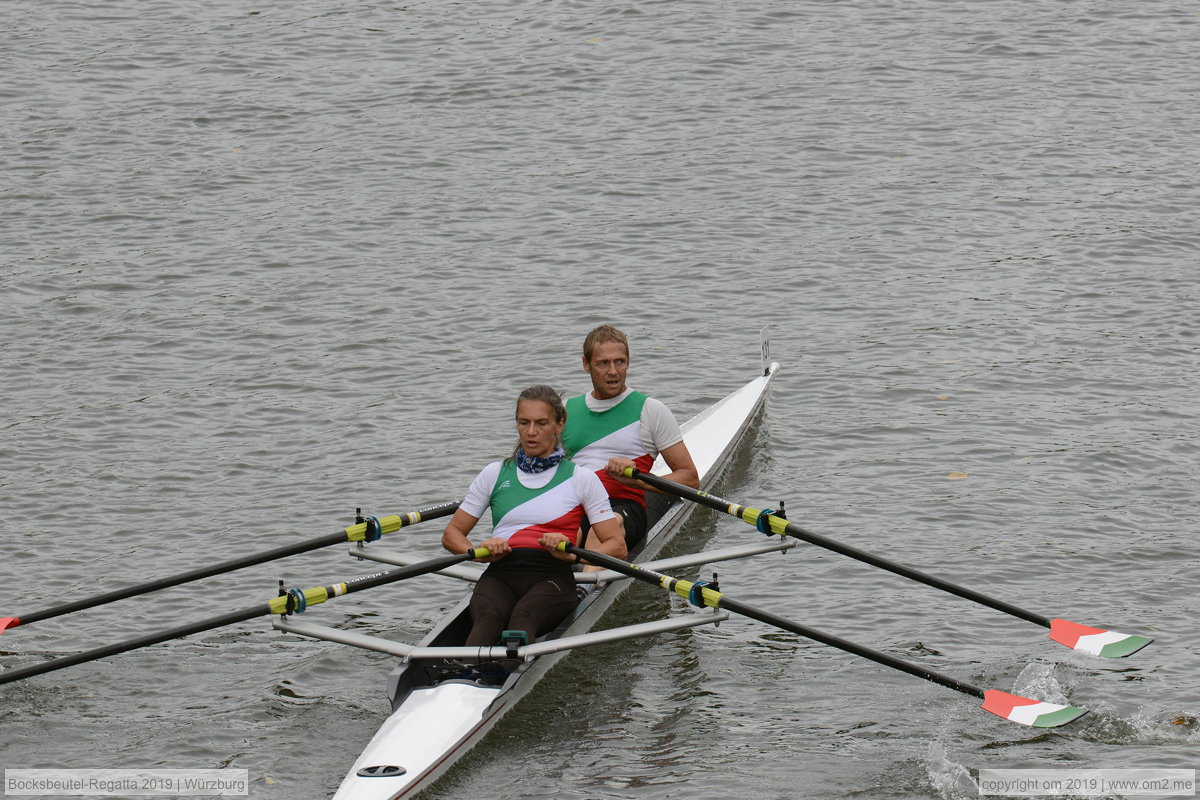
(537, 499)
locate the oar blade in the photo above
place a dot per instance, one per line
(1025, 711)
(8, 622)
(1096, 641)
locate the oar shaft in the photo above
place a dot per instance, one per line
(721, 600)
(877, 656)
(748, 514)
(411, 571)
(183, 577)
(278, 605)
(411, 518)
(132, 644)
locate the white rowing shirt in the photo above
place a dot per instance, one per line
(553, 501)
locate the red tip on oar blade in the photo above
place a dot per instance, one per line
(1025, 711)
(8, 622)
(1096, 641)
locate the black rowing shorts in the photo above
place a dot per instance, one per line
(634, 515)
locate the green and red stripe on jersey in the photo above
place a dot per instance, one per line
(522, 515)
(591, 438)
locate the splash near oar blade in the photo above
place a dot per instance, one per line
(1096, 641)
(1024, 711)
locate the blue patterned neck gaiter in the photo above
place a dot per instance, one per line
(538, 463)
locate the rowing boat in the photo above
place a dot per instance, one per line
(439, 712)
(437, 715)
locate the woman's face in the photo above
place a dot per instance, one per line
(536, 427)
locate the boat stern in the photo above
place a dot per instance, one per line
(421, 737)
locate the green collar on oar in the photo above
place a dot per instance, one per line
(1096, 641)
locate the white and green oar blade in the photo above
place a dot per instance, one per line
(1025, 711)
(1096, 641)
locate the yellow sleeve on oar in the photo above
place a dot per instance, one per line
(683, 588)
(679, 586)
(752, 515)
(318, 594)
(388, 524)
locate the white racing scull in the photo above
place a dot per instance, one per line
(438, 716)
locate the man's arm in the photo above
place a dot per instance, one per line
(683, 469)
(660, 425)
(679, 461)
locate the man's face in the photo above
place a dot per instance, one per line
(610, 362)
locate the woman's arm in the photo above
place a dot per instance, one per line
(454, 538)
(609, 532)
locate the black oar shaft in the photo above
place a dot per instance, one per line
(132, 644)
(411, 571)
(411, 518)
(183, 577)
(740, 511)
(277, 606)
(738, 607)
(877, 656)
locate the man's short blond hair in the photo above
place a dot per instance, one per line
(605, 333)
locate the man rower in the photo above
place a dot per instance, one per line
(613, 427)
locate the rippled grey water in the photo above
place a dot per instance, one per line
(260, 265)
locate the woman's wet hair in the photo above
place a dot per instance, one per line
(550, 397)
(547, 395)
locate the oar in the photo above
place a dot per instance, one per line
(1095, 641)
(355, 533)
(293, 601)
(1009, 706)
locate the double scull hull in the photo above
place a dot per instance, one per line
(434, 722)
